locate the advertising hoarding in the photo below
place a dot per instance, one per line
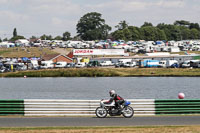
(82, 52)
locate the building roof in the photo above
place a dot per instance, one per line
(49, 57)
(54, 56)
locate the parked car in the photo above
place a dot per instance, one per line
(106, 63)
(47, 64)
(93, 64)
(60, 64)
(21, 67)
(162, 63)
(194, 63)
(70, 65)
(2, 69)
(129, 64)
(175, 65)
(185, 64)
(80, 65)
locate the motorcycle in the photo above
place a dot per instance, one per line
(112, 110)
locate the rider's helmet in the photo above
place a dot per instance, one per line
(112, 93)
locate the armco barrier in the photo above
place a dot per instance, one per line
(62, 107)
(50, 107)
(11, 107)
(181, 106)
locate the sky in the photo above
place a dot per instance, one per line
(54, 17)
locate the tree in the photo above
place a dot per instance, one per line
(33, 37)
(0, 40)
(127, 34)
(14, 32)
(122, 25)
(92, 27)
(5, 39)
(58, 38)
(194, 34)
(135, 32)
(118, 35)
(151, 33)
(13, 39)
(185, 33)
(161, 35)
(194, 25)
(148, 33)
(172, 32)
(46, 37)
(182, 23)
(66, 36)
(147, 24)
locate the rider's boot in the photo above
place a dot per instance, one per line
(120, 109)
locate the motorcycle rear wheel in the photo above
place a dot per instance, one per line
(128, 112)
(101, 112)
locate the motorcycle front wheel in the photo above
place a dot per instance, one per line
(101, 112)
(128, 112)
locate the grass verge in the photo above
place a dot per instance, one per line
(145, 129)
(106, 72)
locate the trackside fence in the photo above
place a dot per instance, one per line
(49, 107)
(163, 107)
(11, 107)
(63, 107)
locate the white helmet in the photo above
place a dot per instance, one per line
(112, 93)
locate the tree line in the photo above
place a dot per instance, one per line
(92, 26)
(180, 30)
(65, 37)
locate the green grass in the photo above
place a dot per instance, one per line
(106, 72)
(135, 129)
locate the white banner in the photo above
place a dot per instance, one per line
(98, 52)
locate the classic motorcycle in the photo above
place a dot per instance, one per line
(112, 110)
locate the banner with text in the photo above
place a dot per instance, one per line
(98, 52)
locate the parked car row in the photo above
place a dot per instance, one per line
(171, 64)
(146, 63)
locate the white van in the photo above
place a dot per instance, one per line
(170, 63)
(46, 64)
(34, 64)
(60, 64)
(106, 63)
(162, 63)
(121, 62)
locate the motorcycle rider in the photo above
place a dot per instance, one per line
(118, 99)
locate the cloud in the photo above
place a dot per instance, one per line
(170, 4)
(7, 16)
(62, 15)
(59, 7)
(10, 2)
(56, 21)
(136, 5)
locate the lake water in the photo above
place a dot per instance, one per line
(98, 88)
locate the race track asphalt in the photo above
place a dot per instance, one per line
(93, 121)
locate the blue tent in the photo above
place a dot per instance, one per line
(34, 58)
(25, 59)
(158, 42)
